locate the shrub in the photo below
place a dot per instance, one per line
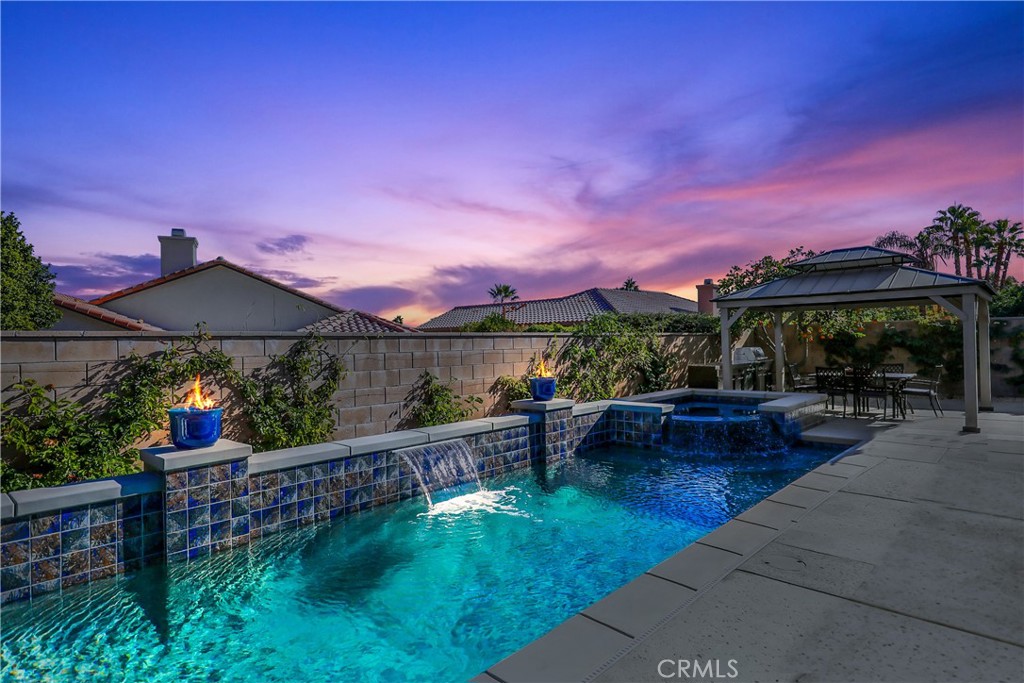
(435, 403)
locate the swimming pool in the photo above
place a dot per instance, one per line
(398, 593)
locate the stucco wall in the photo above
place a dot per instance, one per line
(222, 298)
(73, 320)
(373, 397)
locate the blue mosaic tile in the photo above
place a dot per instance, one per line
(132, 527)
(45, 587)
(45, 546)
(198, 517)
(40, 525)
(132, 506)
(269, 481)
(304, 508)
(198, 496)
(239, 468)
(285, 477)
(14, 531)
(322, 486)
(240, 507)
(239, 488)
(220, 492)
(131, 549)
(288, 512)
(320, 470)
(74, 518)
(221, 531)
(45, 570)
(288, 494)
(177, 500)
(174, 558)
(303, 474)
(271, 516)
(152, 522)
(103, 534)
(239, 527)
(105, 556)
(200, 476)
(74, 580)
(220, 512)
(177, 542)
(174, 481)
(255, 482)
(152, 503)
(153, 544)
(15, 577)
(15, 552)
(219, 473)
(199, 552)
(304, 490)
(77, 539)
(198, 537)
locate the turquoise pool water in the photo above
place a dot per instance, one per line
(399, 593)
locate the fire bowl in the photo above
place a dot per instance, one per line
(194, 427)
(542, 388)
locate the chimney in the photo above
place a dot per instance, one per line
(177, 251)
(705, 293)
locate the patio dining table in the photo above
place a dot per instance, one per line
(893, 382)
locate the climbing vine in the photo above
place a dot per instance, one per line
(436, 403)
(50, 441)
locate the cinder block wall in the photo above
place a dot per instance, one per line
(373, 397)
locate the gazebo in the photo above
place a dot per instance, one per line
(861, 277)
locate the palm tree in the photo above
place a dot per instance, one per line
(921, 246)
(501, 293)
(630, 285)
(954, 229)
(1007, 240)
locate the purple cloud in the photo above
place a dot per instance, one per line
(283, 245)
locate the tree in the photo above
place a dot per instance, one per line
(26, 283)
(630, 285)
(1006, 241)
(922, 246)
(398, 319)
(954, 230)
(501, 293)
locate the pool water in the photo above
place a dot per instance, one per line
(398, 593)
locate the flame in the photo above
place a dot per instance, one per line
(543, 371)
(197, 399)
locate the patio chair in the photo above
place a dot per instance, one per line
(800, 383)
(925, 387)
(832, 383)
(869, 384)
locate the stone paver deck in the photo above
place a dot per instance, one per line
(901, 562)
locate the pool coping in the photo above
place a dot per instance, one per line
(577, 649)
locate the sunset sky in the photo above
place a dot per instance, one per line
(402, 158)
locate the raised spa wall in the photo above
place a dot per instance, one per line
(188, 504)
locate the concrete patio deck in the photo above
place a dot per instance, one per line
(902, 562)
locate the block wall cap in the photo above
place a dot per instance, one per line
(531, 406)
(299, 456)
(384, 442)
(169, 458)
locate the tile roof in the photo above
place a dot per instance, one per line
(205, 266)
(356, 322)
(571, 309)
(71, 303)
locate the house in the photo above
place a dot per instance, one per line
(78, 314)
(222, 295)
(567, 310)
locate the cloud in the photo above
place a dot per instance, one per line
(283, 245)
(436, 199)
(109, 273)
(374, 299)
(291, 278)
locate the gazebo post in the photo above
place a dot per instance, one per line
(970, 327)
(725, 376)
(780, 354)
(984, 357)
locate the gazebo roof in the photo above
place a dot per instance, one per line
(854, 276)
(853, 257)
